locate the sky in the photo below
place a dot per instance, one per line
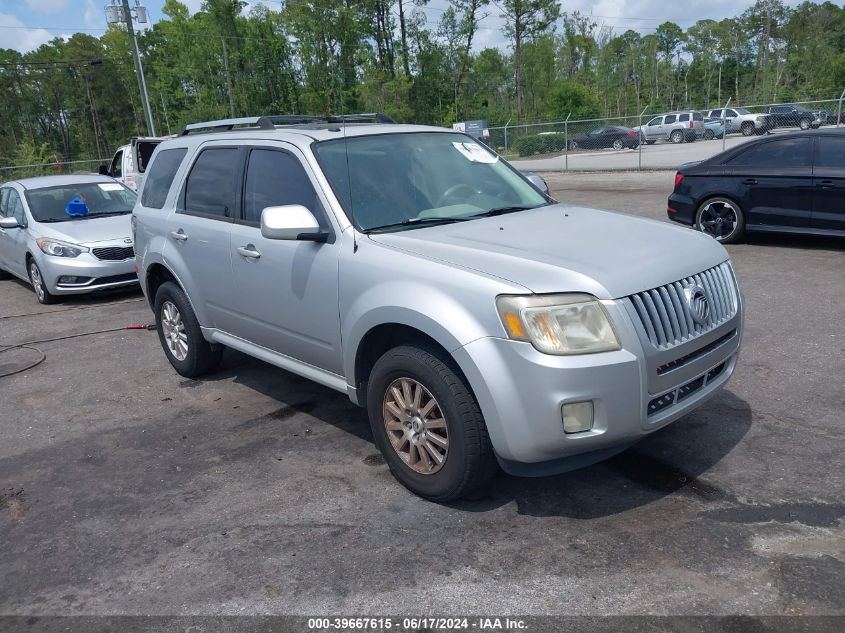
(26, 24)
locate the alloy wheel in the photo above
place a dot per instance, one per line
(173, 328)
(37, 281)
(718, 219)
(618, 144)
(416, 426)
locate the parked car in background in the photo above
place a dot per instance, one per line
(713, 128)
(612, 136)
(479, 321)
(792, 183)
(742, 120)
(677, 127)
(130, 161)
(790, 115)
(67, 235)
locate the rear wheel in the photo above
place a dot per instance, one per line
(650, 142)
(804, 124)
(676, 137)
(573, 145)
(618, 144)
(721, 219)
(427, 424)
(39, 285)
(180, 334)
(709, 135)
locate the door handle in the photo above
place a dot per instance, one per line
(749, 181)
(179, 235)
(248, 251)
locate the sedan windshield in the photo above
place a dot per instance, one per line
(61, 204)
(403, 181)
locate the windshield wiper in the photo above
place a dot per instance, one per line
(417, 222)
(503, 211)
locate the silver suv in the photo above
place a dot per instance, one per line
(677, 127)
(480, 322)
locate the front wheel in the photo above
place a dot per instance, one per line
(573, 145)
(721, 219)
(180, 334)
(39, 285)
(648, 142)
(804, 124)
(427, 424)
(747, 128)
(709, 135)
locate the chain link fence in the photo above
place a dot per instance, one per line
(631, 143)
(15, 172)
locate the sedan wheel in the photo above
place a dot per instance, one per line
(416, 426)
(618, 144)
(804, 124)
(721, 219)
(573, 145)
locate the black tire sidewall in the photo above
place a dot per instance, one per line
(740, 221)
(48, 298)
(191, 366)
(405, 362)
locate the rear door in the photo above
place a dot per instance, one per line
(775, 182)
(669, 123)
(829, 184)
(199, 232)
(287, 289)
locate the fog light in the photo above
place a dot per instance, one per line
(71, 279)
(577, 416)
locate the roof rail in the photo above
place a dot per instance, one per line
(271, 121)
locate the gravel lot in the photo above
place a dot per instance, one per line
(126, 489)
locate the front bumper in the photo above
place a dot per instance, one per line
(521, 392)
(95, 274)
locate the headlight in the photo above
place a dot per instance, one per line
(57, 248)
(558, 324)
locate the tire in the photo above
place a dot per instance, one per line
(677, 137)
(618, 144)
(727, 230)
(650, 142)
(468, 459)
(194, 356)
(805, 124)
(573, 145)
(709, 135)
(38, 286)
(747, 128)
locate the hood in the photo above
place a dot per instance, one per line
(562, 248)
(89, 230)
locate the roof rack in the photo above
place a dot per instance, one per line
(271, 121)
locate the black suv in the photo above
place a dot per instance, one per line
(789, 115)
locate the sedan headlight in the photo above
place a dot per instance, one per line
(558, 324)
(57, 248)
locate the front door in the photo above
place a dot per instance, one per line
(288, 289)
(652, 129)
(774, 181)
(829, 184)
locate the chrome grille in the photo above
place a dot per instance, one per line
(114, 253)
(665, 314)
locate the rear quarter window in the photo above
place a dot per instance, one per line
(160, 176)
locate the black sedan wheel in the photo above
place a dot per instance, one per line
(720, 218)
(618, 144)
(573, 145)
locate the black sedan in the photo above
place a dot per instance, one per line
(614, 136)
(792, 183)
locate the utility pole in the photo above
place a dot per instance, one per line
(116, 13)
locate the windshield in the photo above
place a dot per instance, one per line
(51, 204)
(411, 179)
(743, 111)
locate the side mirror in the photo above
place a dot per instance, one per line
(538, 181)
(9, 223)
(103, 170)
(291, 222)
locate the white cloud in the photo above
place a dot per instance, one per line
(93, 15)
(20, 38)
(47, 6)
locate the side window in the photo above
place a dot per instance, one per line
(655, 121)
(116, 170)
(784, 153)
(276, 178)
(717, 114)
(11, 206)
(730, 114)
(831, 152)
(210, 187)
(684, 117)
(160, 177)
(670, 118)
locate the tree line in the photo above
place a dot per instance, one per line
(77, 98)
